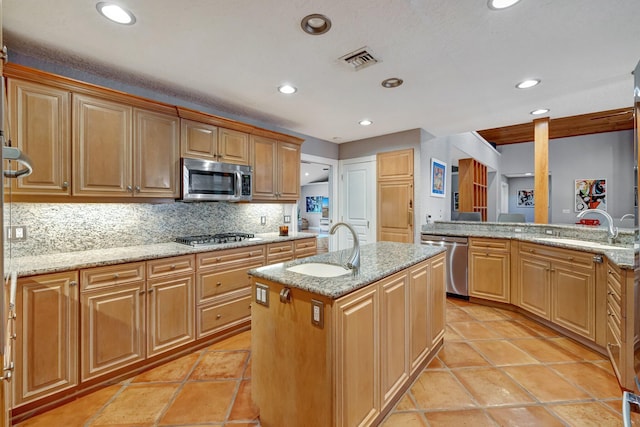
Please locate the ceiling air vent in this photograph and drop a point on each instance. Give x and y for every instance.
(359, 59)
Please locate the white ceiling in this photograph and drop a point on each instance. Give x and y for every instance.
(459, 59)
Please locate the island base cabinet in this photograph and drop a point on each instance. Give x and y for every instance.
(291, 360)
(349, 370)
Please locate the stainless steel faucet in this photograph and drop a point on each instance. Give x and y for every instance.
(613, 231)
(354, 259)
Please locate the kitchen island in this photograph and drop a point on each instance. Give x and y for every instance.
(340, 351)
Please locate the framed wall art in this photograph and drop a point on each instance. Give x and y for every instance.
(590, 194)
(525, 199)
(438, 178)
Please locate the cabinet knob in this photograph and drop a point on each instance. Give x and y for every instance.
(116, 276)
(129, 188)
(570, 258)
(610, 272)
(217, 259)
(172, 266)
(141, 292)
(73, 283)
(137, 188)
(150, 290)
(532, 251)
(65, 185)
(219, 316)
(219, 284)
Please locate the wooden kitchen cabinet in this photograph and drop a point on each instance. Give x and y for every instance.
(39, 117)
(472, 187)
(490, 269)
(357, 358)
(558, 285)
(394, 335)
(222, 287)
(210, 142)
(120, 151)
(46, 336)
(395, 211)
(112, 313)
(437, 299)
(395, 165)
(276, 169)
(279, 252)
(170, 304)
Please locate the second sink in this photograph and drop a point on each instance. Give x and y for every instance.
(319, 269)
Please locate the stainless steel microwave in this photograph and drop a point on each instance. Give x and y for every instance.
(206, 180)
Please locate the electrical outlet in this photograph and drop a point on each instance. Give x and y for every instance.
(263, 220)
(317, 313)
(287, 219)
(262, 294)
(549, 232)
(16, 232)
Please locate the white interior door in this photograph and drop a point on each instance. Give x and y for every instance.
(357, 207)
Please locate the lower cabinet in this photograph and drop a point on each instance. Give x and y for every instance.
(490, 269)
(305, 247)
(558, 285)
(46, 357)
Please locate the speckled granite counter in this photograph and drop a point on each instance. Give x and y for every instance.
(41, 264)
(377, 260)
(622, 255)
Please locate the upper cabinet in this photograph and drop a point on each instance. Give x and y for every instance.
(40, 125)
(276, 169)
(89, 142)
(120, 151)
(206, 141)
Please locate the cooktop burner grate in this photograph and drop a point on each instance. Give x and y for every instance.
(209, 239)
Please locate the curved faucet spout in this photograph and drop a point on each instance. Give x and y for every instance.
(613, 231)
(354, 258)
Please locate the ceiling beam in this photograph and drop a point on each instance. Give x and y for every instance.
(584, 124)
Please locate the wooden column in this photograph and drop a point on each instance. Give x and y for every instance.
(541, 167)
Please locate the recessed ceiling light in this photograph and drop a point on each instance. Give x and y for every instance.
(392, 82)
(116, 13)
(526, 84)
(315, 24)
(365, 122)
(539, 111)
(287, 89)
(501, 4)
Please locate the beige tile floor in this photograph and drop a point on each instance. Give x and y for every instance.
(497, 368)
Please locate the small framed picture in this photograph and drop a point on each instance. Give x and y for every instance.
(525, 199)
(438, 178)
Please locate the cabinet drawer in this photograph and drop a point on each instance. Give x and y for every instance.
(167, 266)
(229, 257)
(614, 278)
(100, 277)
(614, 323)
(215, 317)
(305, 244)
(575, 258)
(211, 284)
(613, 304)
(279, 252)
(494, 244)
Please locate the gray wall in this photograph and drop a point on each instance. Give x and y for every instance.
(604, 155)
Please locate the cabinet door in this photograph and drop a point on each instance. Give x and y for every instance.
(395, 211)
(170, 313)
(233, 147)
(155, 154)
(573, 299)
(46, 336)
(437, 298)
(419, 306)
(288, 171)
(101, 147)
(198, 140)
(41, 125)
(264, 155)
(357, 360)
(534, 286)
(489, 275)
(394, 331)
(395, 165)
(113, 334)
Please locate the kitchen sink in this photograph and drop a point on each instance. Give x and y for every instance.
(317, 269)
(581, 243)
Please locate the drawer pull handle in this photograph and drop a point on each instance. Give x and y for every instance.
(532, 251)
(173, 266)
(219, 316)
(219, 284)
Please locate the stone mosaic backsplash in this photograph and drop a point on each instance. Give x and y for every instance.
(69, 227)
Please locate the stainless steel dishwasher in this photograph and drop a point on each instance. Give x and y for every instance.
(456, 262)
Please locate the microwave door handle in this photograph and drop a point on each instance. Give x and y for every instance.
(238, 192)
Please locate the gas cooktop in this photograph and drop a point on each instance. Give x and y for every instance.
(212, 239)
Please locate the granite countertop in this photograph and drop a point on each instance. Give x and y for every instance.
(377, 260)
(53, 263)
(622, 254)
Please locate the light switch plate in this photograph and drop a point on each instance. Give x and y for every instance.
(262, 294)
(317, 313)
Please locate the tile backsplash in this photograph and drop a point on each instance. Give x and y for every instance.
(69, 227)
